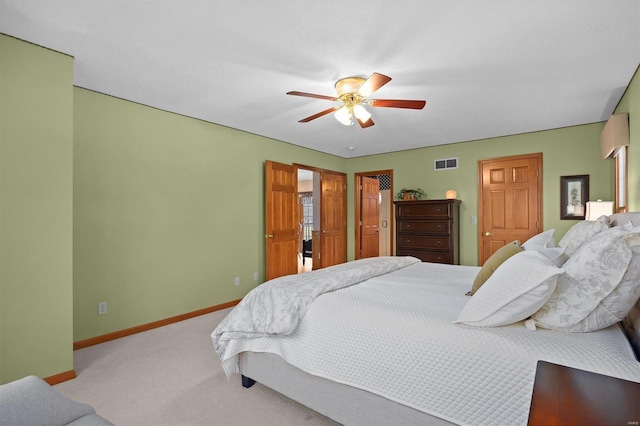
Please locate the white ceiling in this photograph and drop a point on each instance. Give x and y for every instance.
(486, 67)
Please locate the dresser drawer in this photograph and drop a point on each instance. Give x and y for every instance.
(423, 241)
(428, 210)
(427, 256)
(433, 227)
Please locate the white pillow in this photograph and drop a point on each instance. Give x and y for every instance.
(591, 274)
(555, 254)
(517, 289)
(617, 304)
(579, 234)
(544, 243)
(541, 241)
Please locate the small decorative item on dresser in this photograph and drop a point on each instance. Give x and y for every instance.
(410, 194)
(451, 194)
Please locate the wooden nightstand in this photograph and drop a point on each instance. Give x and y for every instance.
(566, 396)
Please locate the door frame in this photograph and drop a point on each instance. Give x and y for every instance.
(357, 209)
(539, 213)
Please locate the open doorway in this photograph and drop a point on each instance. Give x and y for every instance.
(282, 218)
(366, 226)
(307, 212)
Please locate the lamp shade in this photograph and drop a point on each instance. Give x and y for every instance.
(344, 116)
(361, 113)
(615, 134)
(595, 209)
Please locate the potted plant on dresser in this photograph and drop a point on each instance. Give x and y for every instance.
(410, 194)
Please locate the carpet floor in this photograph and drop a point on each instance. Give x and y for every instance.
(172, 376)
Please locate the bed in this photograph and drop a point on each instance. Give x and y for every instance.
(396, 341)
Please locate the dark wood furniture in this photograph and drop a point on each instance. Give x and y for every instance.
(307, 250)
(567, 396)
(428, 230)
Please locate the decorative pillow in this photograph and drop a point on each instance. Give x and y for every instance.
(555, 254)
(517, 289)
(617, 304)
(619, 219)
(591, 274)
(541, 241)
(579, 234)
(494, 261)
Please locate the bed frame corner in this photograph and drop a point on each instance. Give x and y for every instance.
(247, 382)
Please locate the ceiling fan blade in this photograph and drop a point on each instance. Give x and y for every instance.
(365, 124)
(320, 114)
(312, 95)
(373, 83)
(397, 103)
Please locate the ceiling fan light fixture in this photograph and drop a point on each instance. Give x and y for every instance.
(354, 93)
(349, 85)
(361, 113)
(344, 115)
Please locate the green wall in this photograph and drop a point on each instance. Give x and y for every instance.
(167, 211)
(630, 103)
(36, 125)
(566, 151)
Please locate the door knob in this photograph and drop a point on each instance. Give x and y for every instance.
(488, 234)
(325, 232)
(269, 236)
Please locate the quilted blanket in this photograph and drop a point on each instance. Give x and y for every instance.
(394, 336)
(276, 307)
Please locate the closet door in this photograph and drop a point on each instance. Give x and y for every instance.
(510, 201)
(281, 219)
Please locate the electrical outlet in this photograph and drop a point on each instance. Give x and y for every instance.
(255, 276)
(237, 282)
(102, 308)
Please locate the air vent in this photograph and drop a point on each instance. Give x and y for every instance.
(445, 164)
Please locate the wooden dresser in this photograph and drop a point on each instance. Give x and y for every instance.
(428, 230)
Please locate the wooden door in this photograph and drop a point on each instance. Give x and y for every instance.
(510, 204)
(333, 220)
(281, 219)
(369, 217)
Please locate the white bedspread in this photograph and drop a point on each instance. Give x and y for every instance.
(276, 307)
(393, 335)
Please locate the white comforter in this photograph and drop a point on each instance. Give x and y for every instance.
(393, 335)
(276, 307)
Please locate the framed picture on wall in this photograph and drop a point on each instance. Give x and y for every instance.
(574, 194)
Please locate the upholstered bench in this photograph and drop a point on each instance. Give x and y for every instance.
(31, 401)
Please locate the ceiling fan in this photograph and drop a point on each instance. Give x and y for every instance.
(354, 92)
